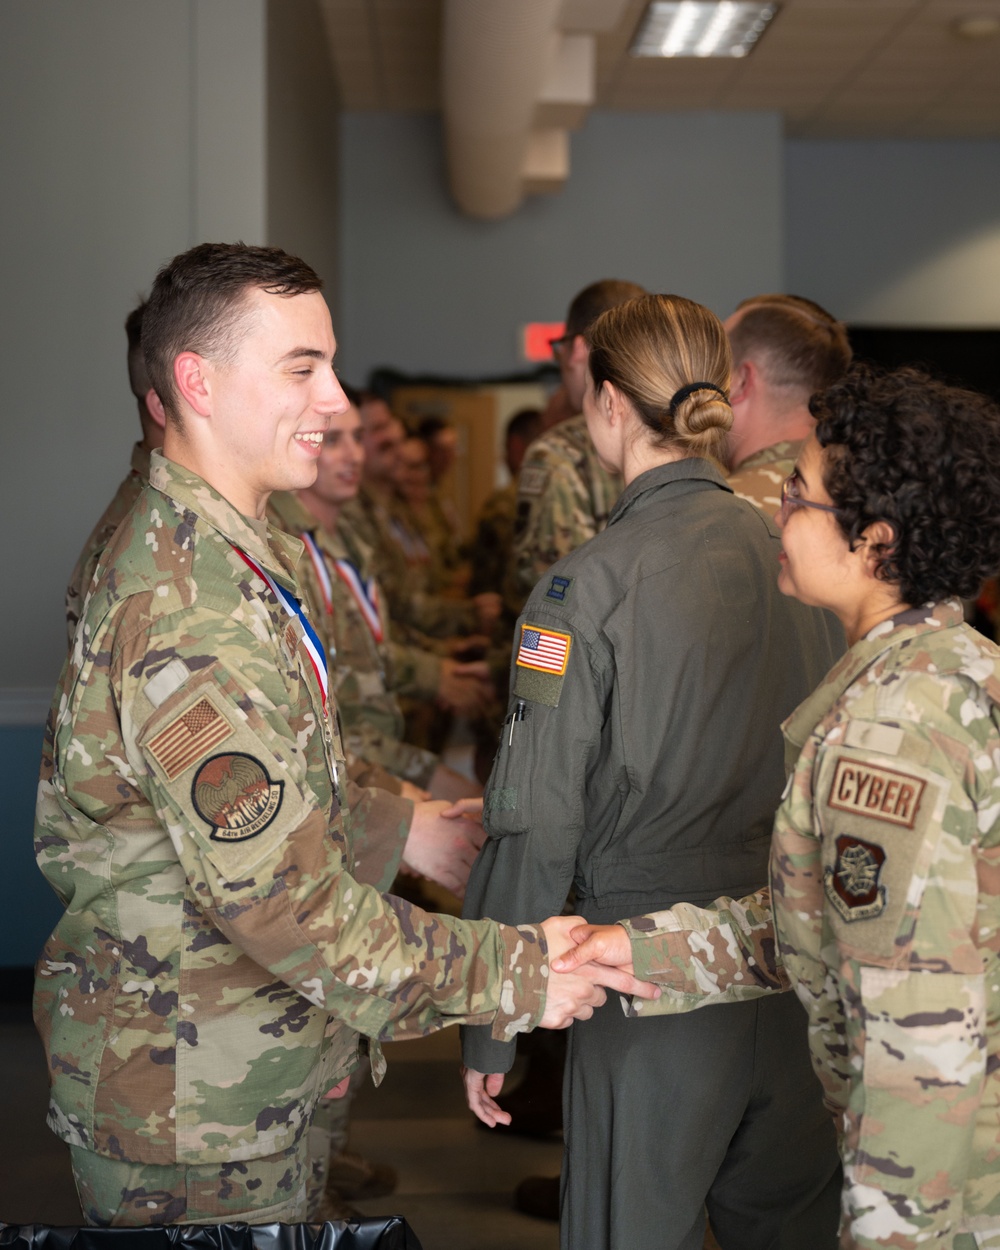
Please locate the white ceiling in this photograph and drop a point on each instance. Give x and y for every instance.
(833, 68)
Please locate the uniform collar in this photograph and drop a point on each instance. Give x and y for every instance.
(291, 515)
(910, 623)
(140, 461)
(273, 550)
(787, 450)
(693, 469)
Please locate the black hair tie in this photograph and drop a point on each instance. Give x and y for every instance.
(685, 391)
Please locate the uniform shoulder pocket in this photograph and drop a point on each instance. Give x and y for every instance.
(881, 818)
(221, 777)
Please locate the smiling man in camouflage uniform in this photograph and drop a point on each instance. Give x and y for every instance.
(219, 965)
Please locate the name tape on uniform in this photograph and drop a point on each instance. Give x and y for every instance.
(879, 793)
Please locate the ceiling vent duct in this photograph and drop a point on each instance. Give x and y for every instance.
(495, 61)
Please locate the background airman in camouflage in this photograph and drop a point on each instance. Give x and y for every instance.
(352, 618)
(412, 606)
(151, 418)
(218, 967)
(564, 494)
(785, 348)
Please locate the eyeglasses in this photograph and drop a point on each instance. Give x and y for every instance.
(791, 499)
(563, 339)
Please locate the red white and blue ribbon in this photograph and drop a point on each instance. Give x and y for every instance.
(365, 594)
(322, 572)
(310, 640)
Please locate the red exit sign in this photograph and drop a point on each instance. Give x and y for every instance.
(535, 338)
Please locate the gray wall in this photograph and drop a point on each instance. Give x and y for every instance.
(134, 129)
(302, 139)
(689, 203)
(897, 233)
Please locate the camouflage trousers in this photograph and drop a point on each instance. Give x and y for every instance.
(116, 1194)
(328, 1137)
(283, 1188)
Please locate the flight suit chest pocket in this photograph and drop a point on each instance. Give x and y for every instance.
(881, 822)
(507, 803)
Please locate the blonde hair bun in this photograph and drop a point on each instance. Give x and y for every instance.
(670, 357)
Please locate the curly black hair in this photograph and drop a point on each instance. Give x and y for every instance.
(925, 457)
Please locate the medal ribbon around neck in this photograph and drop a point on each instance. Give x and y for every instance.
(313, 646)
(322, 572)
(365, 595)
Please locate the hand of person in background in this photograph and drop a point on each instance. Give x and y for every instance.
(488, 606)
(442, 848)
(410, 791)
(445, 783)
(467, 647)
(465, 688)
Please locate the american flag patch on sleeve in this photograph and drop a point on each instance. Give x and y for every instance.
(543, 649)
(189, 738)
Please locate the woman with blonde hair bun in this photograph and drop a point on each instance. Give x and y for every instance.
(640, 765)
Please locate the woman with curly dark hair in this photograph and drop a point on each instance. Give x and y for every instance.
(885, 860)
(885, 867)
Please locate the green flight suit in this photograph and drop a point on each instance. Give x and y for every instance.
(641, 764)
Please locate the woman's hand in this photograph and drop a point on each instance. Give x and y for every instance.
(480, 1090)
(606, 944)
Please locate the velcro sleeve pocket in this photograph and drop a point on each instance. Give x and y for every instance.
(222, 778)
(882, 821)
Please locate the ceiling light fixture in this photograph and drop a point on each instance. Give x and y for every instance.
(690, 28)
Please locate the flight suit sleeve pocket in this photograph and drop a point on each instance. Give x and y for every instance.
(224, 782)
(881, 822)
(507, 800)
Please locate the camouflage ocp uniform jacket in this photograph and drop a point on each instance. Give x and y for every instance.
(113, 515)
(564, 498)
(885, 878)
(885, 875)
(351, 619)
(411, 604)
(218, 967)
(759, 477)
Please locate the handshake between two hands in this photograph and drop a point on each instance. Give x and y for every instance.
(583, 958)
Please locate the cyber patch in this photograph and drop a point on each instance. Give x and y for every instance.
(559, 588)
(852, 884)
(234, 794)
(878, 793)
(189, 738)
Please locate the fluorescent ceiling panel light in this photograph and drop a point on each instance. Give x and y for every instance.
(690, 28)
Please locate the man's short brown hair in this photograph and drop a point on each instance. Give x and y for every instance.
(198, 304)
(796, 342)
(138, 375)
(597, 298)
